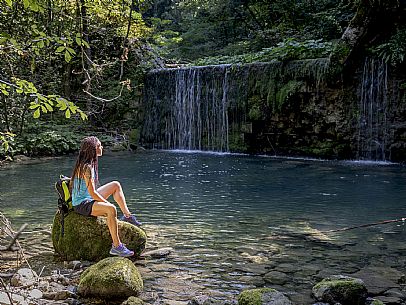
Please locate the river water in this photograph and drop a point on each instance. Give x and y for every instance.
(234, 221)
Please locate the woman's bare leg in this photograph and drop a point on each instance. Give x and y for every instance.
(108, 210)
(114, 188)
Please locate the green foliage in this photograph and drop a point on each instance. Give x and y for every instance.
(255, 105)
(59, 55)
(234, 27)
(289, 49)
(45, 104)
(284, 93)
(393, 51)
(6, 140)
(50, 142)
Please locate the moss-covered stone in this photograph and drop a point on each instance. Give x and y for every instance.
(340, 289)
(377, 302)
(112, 277)
(88, 238)
(262, 296)
(133, 301)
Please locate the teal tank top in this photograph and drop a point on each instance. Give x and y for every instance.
(80, 194)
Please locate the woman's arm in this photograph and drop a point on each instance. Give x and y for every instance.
(92, 188)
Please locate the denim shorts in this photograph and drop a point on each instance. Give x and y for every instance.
(85, 207)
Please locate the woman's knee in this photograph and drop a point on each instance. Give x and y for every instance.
(117, 185)
(111, 210)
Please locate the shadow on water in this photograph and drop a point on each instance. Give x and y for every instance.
(234, 221)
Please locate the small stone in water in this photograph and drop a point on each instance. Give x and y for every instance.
(158, 253)
(36, 294)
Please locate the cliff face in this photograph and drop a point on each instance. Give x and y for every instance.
(347, 106)
(294, 108)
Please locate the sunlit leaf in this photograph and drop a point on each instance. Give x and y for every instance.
(62, 105)
(49, 107)
(37, 113)
(71, 51)
(67, 113)
(83, 116)
(34, 106)
(68, 57)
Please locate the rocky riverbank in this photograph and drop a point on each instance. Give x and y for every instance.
(172, 275)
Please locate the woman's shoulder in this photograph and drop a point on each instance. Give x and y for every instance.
(86, 170)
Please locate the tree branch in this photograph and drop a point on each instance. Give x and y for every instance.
(105, 100)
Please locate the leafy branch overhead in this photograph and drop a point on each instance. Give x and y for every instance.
(42, 103)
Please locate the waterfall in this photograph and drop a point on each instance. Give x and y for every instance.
(373, 127)
(205, 108)
(194, 115)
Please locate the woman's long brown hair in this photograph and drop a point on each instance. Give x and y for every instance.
(87, 156)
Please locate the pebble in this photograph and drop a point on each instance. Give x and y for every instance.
(36, 294)
(158, 253)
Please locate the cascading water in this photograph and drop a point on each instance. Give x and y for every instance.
(189, 108)
(373, 126)
(206, 108)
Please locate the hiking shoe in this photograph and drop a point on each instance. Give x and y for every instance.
(121, 250)
(131, 219)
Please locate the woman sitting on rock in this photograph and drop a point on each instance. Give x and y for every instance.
(91, 201)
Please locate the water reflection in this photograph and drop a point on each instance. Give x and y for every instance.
(239, 221)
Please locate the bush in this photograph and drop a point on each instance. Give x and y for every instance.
(46, 143)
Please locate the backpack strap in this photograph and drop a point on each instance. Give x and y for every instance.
(66, 191)
(63, 211)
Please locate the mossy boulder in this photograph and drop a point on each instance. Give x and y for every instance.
(111, 278)
(262, 296)
(133, 301)
(341, 289)
(88, 238)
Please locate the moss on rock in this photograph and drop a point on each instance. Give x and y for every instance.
(88, 238)
(341, 289)
(112, 277)
(133, 301)
(262, 296)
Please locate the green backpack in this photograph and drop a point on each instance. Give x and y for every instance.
(65, 198)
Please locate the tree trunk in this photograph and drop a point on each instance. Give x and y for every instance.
(372, 19)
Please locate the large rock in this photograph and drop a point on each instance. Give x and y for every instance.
(262, 296)
(341, 289)
(111, 278)
(88, 238)
(380, 279)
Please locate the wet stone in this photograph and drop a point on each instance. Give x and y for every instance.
(256, 281)
(252, 268)
(164, 267)
(395, 293)
(286, 268)
(328, 272)
(378, 280)
(389, 300)
(158, 253)
(276, 277)
(308, 270)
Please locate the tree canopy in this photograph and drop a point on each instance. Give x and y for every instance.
(87, 58)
